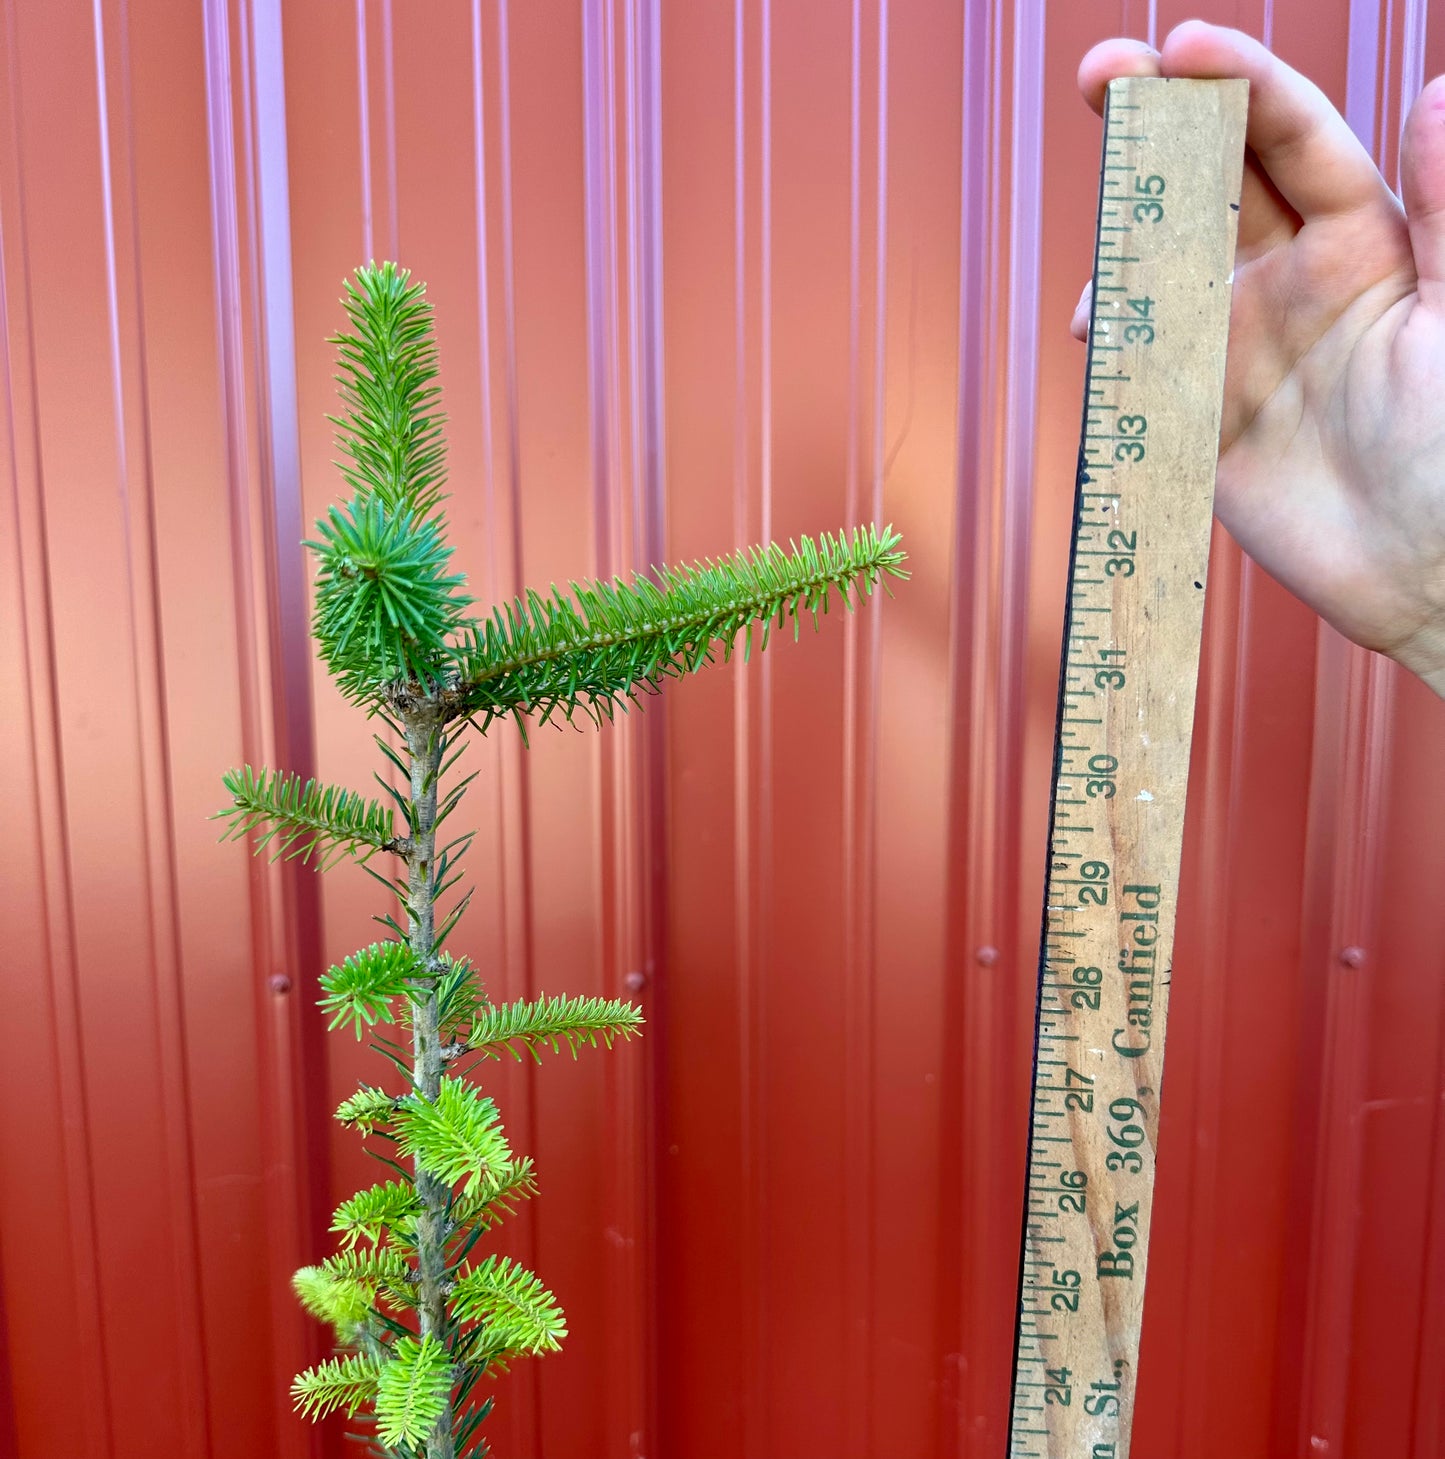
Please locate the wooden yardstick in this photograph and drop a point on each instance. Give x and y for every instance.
(1164, 260)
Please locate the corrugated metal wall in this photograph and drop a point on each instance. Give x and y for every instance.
(705, 272)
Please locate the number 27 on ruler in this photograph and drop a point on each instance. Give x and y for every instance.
(1168, 210)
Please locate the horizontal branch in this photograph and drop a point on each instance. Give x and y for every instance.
(606, 641)
(550, 1023)
(297, 818)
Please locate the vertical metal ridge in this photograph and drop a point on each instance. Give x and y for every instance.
(642, 206)
(765, 295)
(861, 670)
(509, 275)
(380, 235)
(268, 217)
(1427, 1418)
(491, 63)
(596, 227)
(608, 760)
(289, 1033)
(601, 259)
(630, 281)
(857, 1014)
(484, 312)
(1362, 75)
(616, 759)
(500, 516)
(630, 1413)
(1354, 706)
(1385, 142)
(502, 538)
(646, 201)
(1412, 64)
(501, 573)
(855, 311)
(648, 198)
(282, 918)
(763, 726)
(1214, 798)
(1020, 401)
(751, 722)
(519, 904)
(751, 1337)
(1346, 832)
(54, 858)
(967, 1116)
(225, 267)
(866, 705)
(158, 855)
(1011, 532)
(388, 72)
(1025, 230)
(363, 105)
(1002, 136)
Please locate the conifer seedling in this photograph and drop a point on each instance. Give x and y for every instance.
(422, 1315)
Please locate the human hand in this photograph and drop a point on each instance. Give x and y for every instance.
(1332, 450)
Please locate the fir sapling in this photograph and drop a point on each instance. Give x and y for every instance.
(422, 1317)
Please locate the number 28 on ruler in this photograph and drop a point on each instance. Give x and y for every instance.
(1169, 195)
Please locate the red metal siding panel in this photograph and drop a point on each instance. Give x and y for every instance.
(703, 273)
(141, 1041)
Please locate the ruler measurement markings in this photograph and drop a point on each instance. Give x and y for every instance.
(1169, 176)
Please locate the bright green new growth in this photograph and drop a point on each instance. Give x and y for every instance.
(361, 989)
(547, 654)
(419, 1322)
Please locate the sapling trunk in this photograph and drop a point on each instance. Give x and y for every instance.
(424, 744)
(420, 1322)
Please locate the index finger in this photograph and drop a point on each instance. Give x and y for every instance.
(1111, 59)
(1302, 143)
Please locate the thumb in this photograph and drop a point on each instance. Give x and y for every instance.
(1422, 184)
(1079, 324)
